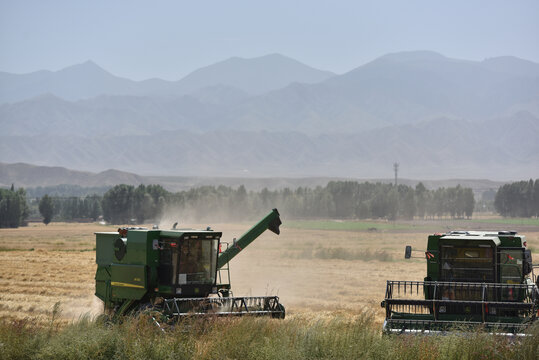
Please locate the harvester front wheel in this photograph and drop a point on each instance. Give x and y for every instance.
(281, 313)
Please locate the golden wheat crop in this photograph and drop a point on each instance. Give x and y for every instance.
(61, 268)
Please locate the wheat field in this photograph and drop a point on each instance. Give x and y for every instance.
(44, 265)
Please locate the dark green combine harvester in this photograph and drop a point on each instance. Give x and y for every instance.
(178, 272)
(473, 279)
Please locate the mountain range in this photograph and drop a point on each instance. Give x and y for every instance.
(273, 116)
(504, 148)
(25, 175)
(86, 80)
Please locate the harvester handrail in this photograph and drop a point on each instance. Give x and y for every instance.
(457, 283)
(483, 295)
(451, 301)
(419, 286)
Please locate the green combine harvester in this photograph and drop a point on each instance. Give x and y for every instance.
(474, 278)
(176, 273)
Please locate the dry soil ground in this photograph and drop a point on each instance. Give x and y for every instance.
(42, 265)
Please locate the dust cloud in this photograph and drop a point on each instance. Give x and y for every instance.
(75, 309)
(189, 219)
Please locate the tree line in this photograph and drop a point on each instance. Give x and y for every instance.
(518, 199)
(123, 204)
(337, 200)
(70, 208)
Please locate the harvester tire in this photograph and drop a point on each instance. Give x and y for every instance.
(279, 315)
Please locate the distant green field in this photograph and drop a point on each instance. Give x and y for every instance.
(350, 225)
(510, 221)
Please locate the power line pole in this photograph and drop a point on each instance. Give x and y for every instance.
(396, 168)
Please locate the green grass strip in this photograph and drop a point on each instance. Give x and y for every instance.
(349, 225)
(509, 221)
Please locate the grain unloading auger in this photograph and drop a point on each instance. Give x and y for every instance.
(473, 279)
(177, 273)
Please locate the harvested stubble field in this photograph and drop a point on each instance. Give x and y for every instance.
(310, 269)
(316, 273)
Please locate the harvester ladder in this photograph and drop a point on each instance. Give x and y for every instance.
(225, 269)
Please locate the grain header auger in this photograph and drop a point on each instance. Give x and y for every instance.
(176, 273)
(474, 278)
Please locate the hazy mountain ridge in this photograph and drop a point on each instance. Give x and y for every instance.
(436, 149)
(410, 87)
(395, 89)
(32, 176)
(438, 117)
(253, 76)
(50, 115)
(26, 175)
(71, 83)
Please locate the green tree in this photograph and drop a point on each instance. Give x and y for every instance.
(46, 209)
(469, 202)
(94, 206)
(139, 207)
(517, 199)
(421, 199)
(392, 203)
(345, 197)
(13, 207)
(407, 202)
(118, 204)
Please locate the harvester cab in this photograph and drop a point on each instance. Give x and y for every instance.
(473, 278)
(177, 272)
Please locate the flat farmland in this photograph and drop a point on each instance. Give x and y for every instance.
(310, 269)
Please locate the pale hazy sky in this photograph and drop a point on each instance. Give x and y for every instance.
(168, 39)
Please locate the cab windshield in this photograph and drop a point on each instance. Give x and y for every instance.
(197, 261)
(188, 261)
(464, 263)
